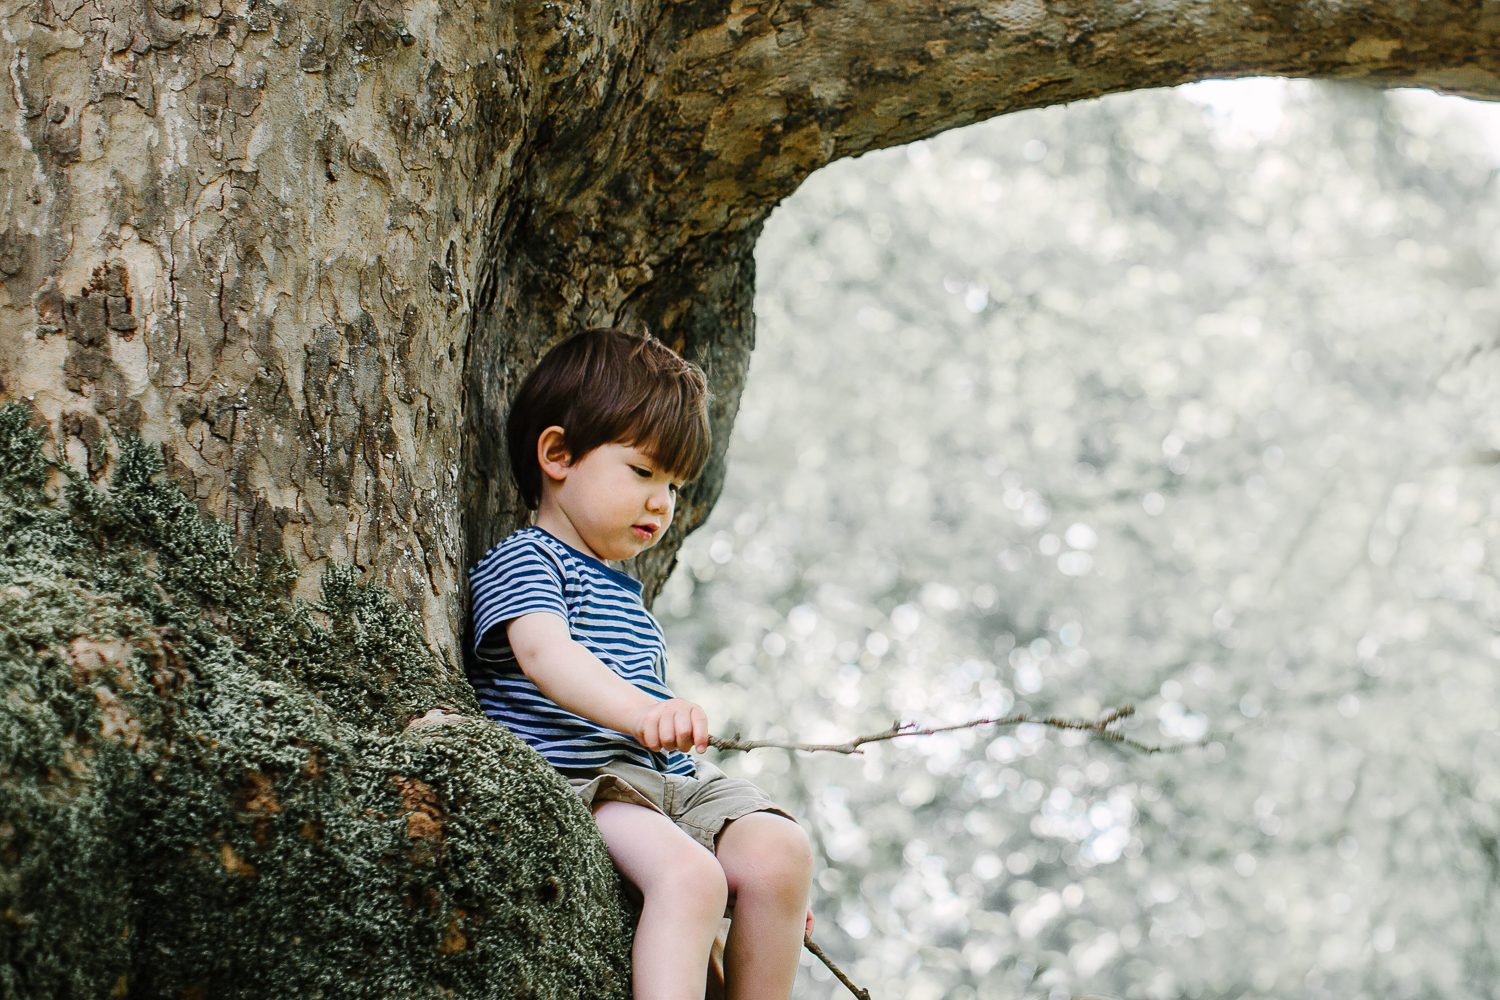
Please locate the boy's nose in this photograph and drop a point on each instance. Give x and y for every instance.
(660, 501)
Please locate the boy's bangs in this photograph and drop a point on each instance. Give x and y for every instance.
(673, 429)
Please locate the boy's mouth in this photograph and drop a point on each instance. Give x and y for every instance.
(644, 532)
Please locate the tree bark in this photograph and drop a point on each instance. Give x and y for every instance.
(308, 249)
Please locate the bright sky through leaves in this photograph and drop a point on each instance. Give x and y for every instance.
(1188, 399)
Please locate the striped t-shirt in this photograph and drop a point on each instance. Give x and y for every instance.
(530, 571)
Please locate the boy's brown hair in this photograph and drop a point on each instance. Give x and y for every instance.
(604, 386)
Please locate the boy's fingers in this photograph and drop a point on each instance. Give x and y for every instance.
(684, 728)
(651, 733)
(680, 726)
(700, 729)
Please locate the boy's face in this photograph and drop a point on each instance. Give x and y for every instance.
(615, 500)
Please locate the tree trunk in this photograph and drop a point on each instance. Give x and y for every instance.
(307, 250)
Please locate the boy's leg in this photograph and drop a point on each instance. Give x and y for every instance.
(768, 864)
(684, 891)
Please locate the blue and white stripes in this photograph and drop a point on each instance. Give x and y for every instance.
(528, 572)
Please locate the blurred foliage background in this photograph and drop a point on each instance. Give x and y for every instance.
(1185, 399)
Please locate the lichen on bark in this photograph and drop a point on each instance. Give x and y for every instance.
(211, 789)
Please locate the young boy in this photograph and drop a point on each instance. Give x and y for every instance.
(602, 434)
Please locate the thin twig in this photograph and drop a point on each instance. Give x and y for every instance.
(1099, 727)
(807, 942)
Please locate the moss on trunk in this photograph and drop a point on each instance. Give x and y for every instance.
(209, 789)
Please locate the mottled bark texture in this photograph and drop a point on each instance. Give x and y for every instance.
(306, 249)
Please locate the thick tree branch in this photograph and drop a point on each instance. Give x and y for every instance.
(769, 92)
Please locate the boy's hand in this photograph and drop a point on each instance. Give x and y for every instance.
(673, 724)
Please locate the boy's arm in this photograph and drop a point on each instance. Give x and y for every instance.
(575, 679)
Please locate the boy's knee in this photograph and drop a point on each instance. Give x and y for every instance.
(794, 852)
(778, 856)
(697, 877)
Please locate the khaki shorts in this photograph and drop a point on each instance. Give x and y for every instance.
(701, 806)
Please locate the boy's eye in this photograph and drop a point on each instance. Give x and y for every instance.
(643, 473)
(674, 487)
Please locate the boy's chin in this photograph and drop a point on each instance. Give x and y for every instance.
(626, 550)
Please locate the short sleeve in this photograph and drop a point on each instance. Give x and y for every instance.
(518, 577)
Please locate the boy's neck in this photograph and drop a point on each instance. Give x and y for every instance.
(554, 521)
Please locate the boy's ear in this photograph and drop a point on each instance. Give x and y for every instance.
(552, 453)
